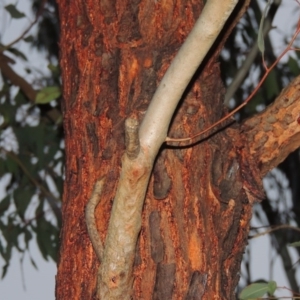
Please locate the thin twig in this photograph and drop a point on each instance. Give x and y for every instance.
(248, 62)
(155, 125)
(268, 70)
(286, 288)
(274, 229)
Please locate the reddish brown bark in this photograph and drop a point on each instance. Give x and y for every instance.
(198, 206)
(275, 132)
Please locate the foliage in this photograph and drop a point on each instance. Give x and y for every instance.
(282, 202)
(31, 145)
(257, 290)
(47, 94)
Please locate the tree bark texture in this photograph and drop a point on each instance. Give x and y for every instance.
(197, 210)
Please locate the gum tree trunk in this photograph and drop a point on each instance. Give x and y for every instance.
(198, 206)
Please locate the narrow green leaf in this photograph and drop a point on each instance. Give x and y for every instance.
(4, 270)
(27, 237)
(47, 94)
(1, 249)
(42, 239)
(296, 52)
(11, 166)
(254, 291)
(293, 65)
(22, 199)
(20, 99)
(295, 244)
(17, 53)
(271, 85)
(272, 285)
(33, 263)
(14, 12)
(2, 167)
(28, 39)
(8, 112)
(260, 37)
(11, 234)
(53, 68)
(4, 204)
(54, 243)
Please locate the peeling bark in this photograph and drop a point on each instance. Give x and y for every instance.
(275, 133)
(192, 240)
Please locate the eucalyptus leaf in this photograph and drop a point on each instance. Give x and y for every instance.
(4, 204)
(254, 291)
(293, 65)
(272, 287)
(29, 39)
(11, 233)
(14, 12)
(17, 53)
(47, 239)
(33, 263)
(35, 131)
(8, 112)
(4, 270)
(11, 166)
(47, 94)
(271, 85)
(27, 237)
(22, 199)
(295, 244)
(260, 37)
(54, 68)
(20, 98)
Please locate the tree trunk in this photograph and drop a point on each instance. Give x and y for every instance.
(197, 210)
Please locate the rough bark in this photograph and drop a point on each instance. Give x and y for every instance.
(275, 133)
(196, 215)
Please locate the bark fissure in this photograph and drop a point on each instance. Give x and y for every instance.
(115, 278)
(195, 234)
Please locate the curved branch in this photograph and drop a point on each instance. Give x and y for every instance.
(278, 227)
(154, 127)
(115, 277)
(90, 218)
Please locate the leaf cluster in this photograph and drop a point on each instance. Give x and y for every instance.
(31, 152)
